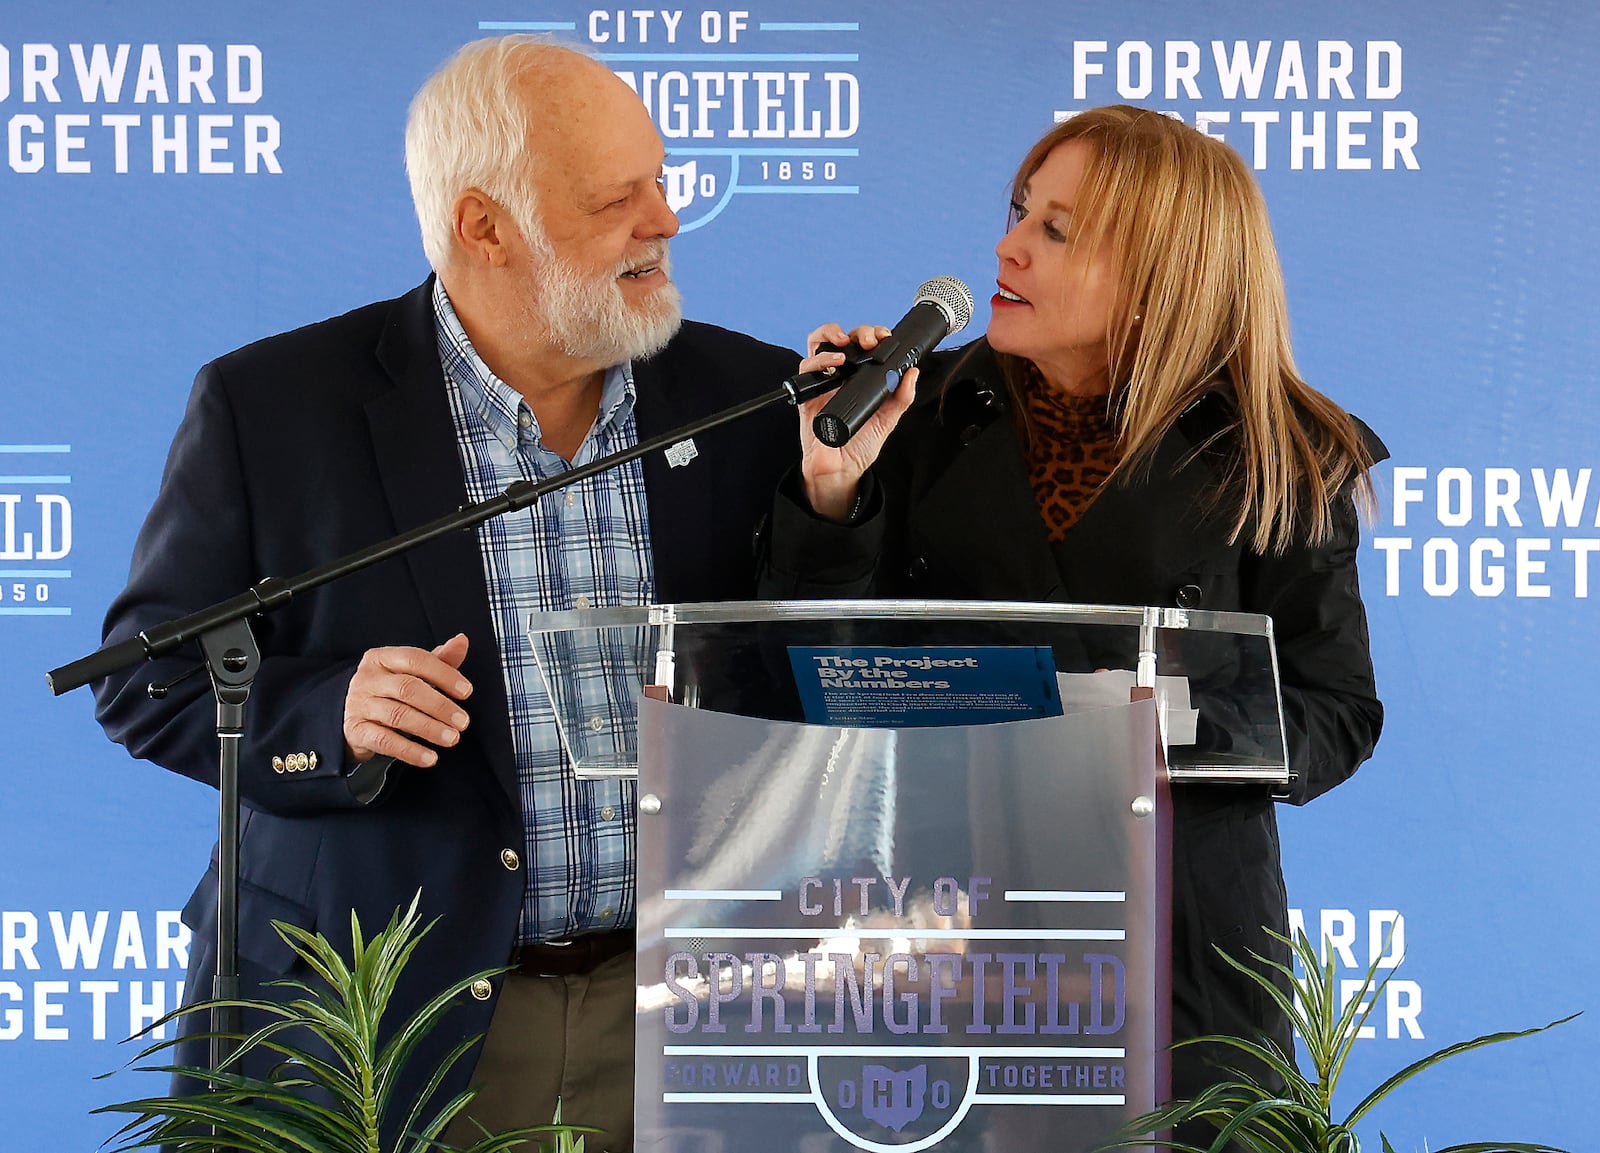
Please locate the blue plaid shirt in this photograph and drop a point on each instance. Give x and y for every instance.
(587, 546)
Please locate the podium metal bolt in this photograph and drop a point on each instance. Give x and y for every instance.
(649, 804)
(1143, 806)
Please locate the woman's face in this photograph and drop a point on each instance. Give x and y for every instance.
(1057, 287)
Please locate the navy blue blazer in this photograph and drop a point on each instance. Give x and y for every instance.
(308, 445)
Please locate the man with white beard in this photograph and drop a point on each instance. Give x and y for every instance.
(400, 736)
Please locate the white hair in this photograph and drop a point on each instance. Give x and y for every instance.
(468, 128)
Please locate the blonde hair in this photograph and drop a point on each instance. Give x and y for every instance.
(468, 128)
(1201, 297)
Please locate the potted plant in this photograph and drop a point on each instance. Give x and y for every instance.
(334, 1080)
(1275, 1108)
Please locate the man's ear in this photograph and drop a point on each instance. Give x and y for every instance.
(479, 222)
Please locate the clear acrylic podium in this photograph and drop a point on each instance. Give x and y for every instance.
(903, 866)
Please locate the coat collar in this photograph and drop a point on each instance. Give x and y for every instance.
(1002, 543)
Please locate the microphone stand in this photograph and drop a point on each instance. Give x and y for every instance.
(232, 657)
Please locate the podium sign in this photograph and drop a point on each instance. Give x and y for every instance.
(888, 939)
(898, 936)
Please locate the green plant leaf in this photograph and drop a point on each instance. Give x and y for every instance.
(398, 1050)
(1499, 1147)
(325, 1037)
(1269, 1119)
(1296, 1115)
(442, 1118)
(1266, 1053)
(1433, 1059)
(1138, 1133)
(188, 1123)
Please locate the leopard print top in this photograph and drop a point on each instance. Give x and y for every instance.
(1072, 452)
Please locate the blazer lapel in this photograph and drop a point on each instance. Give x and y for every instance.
(678, 497)
(420, 467)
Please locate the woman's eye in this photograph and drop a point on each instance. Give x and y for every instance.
(1018, 211)
(1055, 231)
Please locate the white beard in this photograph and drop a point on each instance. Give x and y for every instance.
(589, 318)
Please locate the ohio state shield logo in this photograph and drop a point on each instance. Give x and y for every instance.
(893, 1099)
(887, 1100)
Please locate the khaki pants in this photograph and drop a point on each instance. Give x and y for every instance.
(566, 1037)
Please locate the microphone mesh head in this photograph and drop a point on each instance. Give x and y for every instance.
(950, 296)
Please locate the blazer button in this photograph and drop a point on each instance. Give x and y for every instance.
(969, 434)
(509, 858)
(278, 765)
(1190, 597)
(918, 568)
(481, 989)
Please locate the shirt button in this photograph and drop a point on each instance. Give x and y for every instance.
(481, 989)
(509, 858)
(596, 724)
(607, 914)
(608, 812)
(525, 420)
(581, 601)
(570, 499)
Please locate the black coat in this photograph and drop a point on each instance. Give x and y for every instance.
(303, 447)
(953, 515)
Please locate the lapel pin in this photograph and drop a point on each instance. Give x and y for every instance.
(681, 453)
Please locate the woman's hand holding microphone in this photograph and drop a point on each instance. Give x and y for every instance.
(832, 476)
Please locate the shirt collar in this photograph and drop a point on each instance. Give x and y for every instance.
(502, 408)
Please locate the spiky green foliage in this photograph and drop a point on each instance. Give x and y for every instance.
(1274, 1107)
(567, 1141)
(332, 1081)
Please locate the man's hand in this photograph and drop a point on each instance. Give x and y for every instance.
(403, 696)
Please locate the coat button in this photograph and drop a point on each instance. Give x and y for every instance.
(1190, 597)
(278, 765)
(509, 858)
(918, 568)
(969, 434)
(481, 989)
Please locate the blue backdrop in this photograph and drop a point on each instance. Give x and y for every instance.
(180, 178)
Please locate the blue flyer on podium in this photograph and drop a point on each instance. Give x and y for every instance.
(916, 687)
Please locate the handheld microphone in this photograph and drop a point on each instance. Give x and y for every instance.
(943, 305)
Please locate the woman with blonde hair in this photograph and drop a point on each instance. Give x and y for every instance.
(1131, 430)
